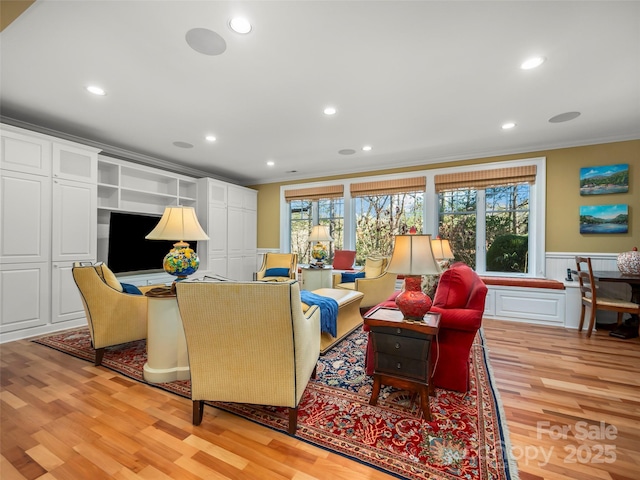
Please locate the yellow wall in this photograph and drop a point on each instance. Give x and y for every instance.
(563, 197)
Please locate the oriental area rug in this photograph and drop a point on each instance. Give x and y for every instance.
(465, 439)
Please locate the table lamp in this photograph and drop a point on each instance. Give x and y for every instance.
(179, 223)
(442, 251)
(412, 257)
(320, 233)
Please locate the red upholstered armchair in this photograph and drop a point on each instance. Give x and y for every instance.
(459, 299)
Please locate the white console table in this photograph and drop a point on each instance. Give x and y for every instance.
(315, 278)
(167, 358)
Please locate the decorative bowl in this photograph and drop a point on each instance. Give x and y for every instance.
(629, 262)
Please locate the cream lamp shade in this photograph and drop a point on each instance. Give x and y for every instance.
(179, 223)
(320, 233)
(441, 249)
(412, 257)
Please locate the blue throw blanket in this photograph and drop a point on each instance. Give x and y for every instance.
(328, 311)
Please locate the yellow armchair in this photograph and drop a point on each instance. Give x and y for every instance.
(249, 342)
(278, 267)
(377, 284)
(114, 317)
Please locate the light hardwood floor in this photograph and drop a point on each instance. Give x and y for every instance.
(62, 418)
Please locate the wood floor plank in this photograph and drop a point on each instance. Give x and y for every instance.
(63, 418)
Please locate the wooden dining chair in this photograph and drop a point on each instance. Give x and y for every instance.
(590, 298)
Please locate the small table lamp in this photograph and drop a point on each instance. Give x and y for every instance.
(179, 223)
(412, 257)
(320, 233)
(442, 251)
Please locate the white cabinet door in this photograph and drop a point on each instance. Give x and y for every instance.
(24, 296)
(66, 303)
(75, 221)
(218, 266)
(248, 267)
(235, 267)
(249, 232)
(25, 228)
(235, 232)
(217, 229)
(24, 153)
(73, 163)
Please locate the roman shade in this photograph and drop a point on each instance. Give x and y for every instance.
(389, 187)
(314, 193)
(485, 178)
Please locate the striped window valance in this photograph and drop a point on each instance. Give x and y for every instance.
(388, 187)
(314, 193)
(485, 178)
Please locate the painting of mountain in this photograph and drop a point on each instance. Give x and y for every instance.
(604, 219)
(604, 179)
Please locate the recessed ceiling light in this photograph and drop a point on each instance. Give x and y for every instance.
(330, 111)
(96, 90)
(271, 163)
(182, 144)
(366, 148)
(532, 62)
(240, 25)
(210, 138)
(508, 125)
(346, 151)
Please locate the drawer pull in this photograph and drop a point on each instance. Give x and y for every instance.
(398, 331)
(397, 346)
(399, 366)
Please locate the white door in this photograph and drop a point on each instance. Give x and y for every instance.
(24, 296)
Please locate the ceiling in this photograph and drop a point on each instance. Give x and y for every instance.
(421, 82)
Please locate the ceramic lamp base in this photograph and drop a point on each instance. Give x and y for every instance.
(181, 261)
(413, 302)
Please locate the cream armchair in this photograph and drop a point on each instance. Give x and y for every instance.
(376, 285)
(278, 267)
(249, 342)
(114, 317)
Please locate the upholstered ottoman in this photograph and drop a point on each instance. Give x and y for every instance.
(349, 317)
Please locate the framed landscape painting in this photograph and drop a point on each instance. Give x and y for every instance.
(604, 179)
(604, 219)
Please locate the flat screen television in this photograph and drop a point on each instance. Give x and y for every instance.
(129, 251)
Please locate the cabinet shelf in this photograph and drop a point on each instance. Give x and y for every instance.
(140, 189)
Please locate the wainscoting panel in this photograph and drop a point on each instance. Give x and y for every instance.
(533, 305)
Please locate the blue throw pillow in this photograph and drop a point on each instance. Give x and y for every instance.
(351, 277)
(277, 272)
(132, 289)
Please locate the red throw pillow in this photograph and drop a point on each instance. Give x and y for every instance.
(344, 259)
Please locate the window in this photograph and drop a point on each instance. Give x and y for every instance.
(315, 206)
(485, 216)
(380, 217)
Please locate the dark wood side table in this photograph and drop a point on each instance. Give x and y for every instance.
(401, 352)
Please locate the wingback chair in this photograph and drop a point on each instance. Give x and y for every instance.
(459, 299)
(278, 267)
(373, 281)
(249, 342)
(114, 316)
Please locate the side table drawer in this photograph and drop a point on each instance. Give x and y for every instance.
(402, 367)
(401, 346)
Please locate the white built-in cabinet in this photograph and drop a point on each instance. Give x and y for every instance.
(48, 220)
(229, 215)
